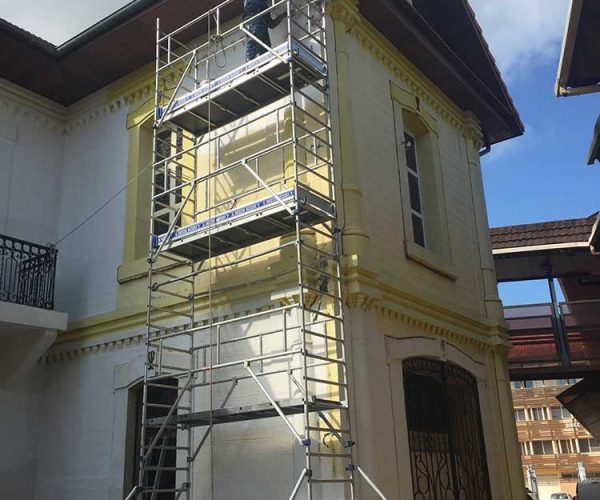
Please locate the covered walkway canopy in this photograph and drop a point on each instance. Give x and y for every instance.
(556, 339)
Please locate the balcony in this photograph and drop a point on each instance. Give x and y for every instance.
(28, 322)
(550, 341)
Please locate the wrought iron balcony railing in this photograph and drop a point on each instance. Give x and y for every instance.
(27, 273)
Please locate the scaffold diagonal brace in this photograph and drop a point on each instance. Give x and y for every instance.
(275, 405)
(179, 84)
(298, 484)
(267, 187)
(163, 427)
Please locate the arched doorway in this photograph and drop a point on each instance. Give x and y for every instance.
(447, 449)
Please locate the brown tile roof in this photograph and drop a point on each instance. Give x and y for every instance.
(544, 233)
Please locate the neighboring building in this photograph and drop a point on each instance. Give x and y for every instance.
(579, 68)
(415, 98)
(551, 439)
(554, 345)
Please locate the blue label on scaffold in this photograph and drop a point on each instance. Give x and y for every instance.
(224, 217)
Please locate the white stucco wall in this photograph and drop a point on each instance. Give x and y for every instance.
(20, 412)
(81, 448)
(95, 168)
(31, 161)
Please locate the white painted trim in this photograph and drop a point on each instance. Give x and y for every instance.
(593, 235)
(537, 248)
(36, 102)
(34, 317)
(568, 45)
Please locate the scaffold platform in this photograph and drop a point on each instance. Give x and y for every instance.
(249, 412)
(249, 224)
(243, 90)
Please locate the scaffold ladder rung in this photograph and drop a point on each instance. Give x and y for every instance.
(244, 266)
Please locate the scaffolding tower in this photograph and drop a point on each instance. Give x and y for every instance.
(244, 212)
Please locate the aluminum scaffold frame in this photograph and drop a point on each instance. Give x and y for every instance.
(244, 211)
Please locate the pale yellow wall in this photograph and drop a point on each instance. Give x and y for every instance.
(440, 306)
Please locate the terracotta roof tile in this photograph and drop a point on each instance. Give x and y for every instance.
(543, 233)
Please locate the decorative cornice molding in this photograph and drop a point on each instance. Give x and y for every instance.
(490, 339)
(93, 115)
(346, 12)
(26, 104)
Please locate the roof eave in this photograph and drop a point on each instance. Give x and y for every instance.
(104, 26)
(574, 28)
(594, 152)
(568, 47)
(412, 25)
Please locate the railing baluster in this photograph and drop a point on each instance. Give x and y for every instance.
(27, 273)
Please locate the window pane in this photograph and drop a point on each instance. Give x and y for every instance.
(556, 412)
(415, 195)
(565, 446)
(538, 414)
(594, 445)
(520, 414)
(411, 152)
(537, 447)
(584, 445)
(548, 449)
(418, 230)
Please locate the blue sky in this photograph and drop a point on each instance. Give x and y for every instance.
(540, 176)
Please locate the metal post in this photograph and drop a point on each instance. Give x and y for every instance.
(581, 475)
(561, 338)
(179, 357)
(533, 485)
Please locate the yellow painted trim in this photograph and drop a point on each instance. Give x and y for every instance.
(364, 290)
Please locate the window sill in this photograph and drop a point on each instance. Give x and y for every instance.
(430, 260)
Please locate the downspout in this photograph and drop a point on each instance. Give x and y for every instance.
(487, 147)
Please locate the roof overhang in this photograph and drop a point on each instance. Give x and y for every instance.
(445, 43)
(579, 67)
(583, 401)
(594, 153)
(109, 50)
(567, 250)
(456, 59)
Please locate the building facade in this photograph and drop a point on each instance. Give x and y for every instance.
(425, 327)
(551, 439)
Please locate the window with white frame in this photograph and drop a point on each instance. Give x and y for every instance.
(426, 236)
(538, 413)
(542, 447)
(559, 413)
(567, 446)
(520, 415)
(589, 445)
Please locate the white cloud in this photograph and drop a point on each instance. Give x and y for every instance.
(512, 148)
(57, 20)
(522, 33)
